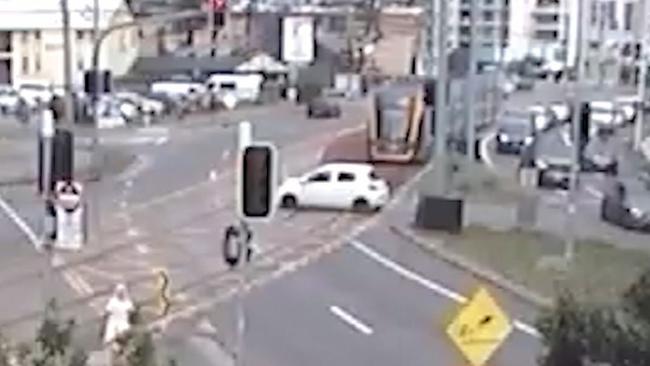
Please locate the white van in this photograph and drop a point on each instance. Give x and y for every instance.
(178, 88)
(605, 114)
(245, 87)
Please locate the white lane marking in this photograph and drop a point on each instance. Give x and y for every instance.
(72, 278)
(142, 249)
(566, 137)
(142, 163)
(384, 261)
(213, 175)
(594, 192)
(225, 155)
(161, 140)
(132, 232)
(424, 282)
(22, 225)
(351, 320)
(485, 150)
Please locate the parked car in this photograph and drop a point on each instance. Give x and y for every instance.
(145, 105)
(336, 185)
(514, 133)
(604, 114)
(323, 108)
(628, 107)
(561, 111)
(9, 99)
(615, 210)
(35, 93)
(542, 117)
(554, 173)
(598, 157)
(524, 82)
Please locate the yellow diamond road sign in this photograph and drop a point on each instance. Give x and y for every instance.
(479, 328)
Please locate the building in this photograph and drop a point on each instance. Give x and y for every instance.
(492, 26)
(549, 28)
(31, 40)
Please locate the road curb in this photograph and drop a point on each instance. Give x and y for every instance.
(473, 267)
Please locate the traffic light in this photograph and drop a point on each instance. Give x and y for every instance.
(257, 181)
(90, 82)
(585, 125)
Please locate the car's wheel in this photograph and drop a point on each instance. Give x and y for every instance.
(289, 201)
(361, 205)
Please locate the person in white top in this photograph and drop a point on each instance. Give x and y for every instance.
(117, 314)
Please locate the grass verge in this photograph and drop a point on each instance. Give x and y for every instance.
(599, 272)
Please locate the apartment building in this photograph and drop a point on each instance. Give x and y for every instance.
(31, 40)
(549, 28)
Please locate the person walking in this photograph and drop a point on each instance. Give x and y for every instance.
(117, 315)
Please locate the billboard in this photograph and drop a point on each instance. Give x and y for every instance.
(298, 42)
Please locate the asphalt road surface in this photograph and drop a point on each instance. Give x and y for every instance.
(377, 300)
(166, 210)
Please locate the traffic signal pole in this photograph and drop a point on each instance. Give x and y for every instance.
(569, 250)
(440, 168)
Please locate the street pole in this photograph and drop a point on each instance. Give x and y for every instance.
(47, 134)
(440, 169)
(245, 139)
(641, 82)
(470, 92)
(575, 161)
(211, 27)
(67, 66)
(498, 52)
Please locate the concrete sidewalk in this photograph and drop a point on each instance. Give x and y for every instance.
(19, 157)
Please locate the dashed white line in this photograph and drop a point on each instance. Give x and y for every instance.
(566, 137)
(142, 249)
(350, 320)
(426, 283)
(161, 140)
(594, 192)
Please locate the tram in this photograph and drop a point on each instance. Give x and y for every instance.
(396, 125)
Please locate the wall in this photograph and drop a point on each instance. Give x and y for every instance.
(38, 54)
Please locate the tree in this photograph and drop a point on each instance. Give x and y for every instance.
(563, 331)
(576, 334)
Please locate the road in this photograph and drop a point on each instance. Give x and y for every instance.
(552, 209)
(376, 300)
(165, 211)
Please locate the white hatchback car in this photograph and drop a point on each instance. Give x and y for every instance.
(336, 185)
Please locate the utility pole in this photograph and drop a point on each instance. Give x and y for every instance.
(440, 169)
(67, 66)
(211, 27)
(577, 106)
(470, 91)
(643, 74)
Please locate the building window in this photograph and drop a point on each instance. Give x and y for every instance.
(25, 65)
(488, 16)
(628, 15)
(37, 62)
(611, 15)
(24, 37)
(80, 35)
(80, 63)
(37, 35)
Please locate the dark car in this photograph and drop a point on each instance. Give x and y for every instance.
(323, 108)
(554, 173)
(514, 134)
(615, 210)
(598, 157)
